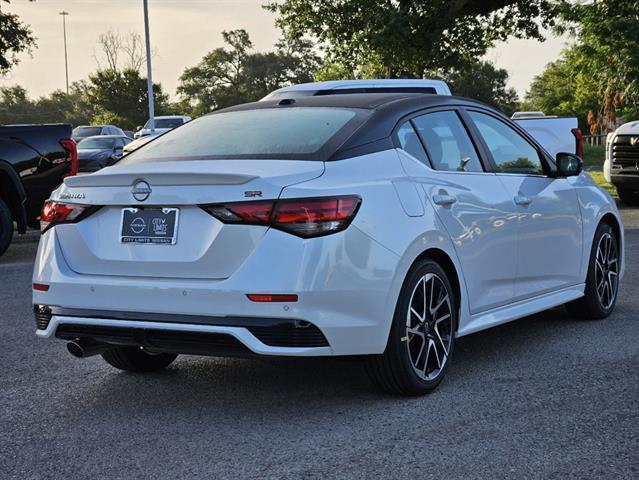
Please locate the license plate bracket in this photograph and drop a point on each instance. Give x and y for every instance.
(149, 225)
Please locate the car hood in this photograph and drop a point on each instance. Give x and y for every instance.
(630, 128)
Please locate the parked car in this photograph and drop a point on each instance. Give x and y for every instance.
(33, 161)
(621, 167)
(100, 151)
(378, 225)
(162, 125)
(553, 133)
(84, 131)
(137, 143)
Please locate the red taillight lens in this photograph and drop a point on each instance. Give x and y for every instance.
(54, 213)
(71, 147)
(271, 297)
(304, 217)
(579, 141)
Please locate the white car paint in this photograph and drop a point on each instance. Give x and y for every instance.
(158, 130)
(552, 133)
(629, 129)
(511, 260)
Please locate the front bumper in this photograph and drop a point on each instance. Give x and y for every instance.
(625, 179)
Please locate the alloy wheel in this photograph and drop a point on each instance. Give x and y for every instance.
(607, 270)
(429, 327)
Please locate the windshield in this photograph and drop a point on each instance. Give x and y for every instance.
(97, 143)
(294, 132)
(86, 131)
(165, 123)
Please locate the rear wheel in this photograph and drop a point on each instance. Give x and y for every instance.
(602, 281)
(422, 335)
(629, 196)
(134, 359)
(6, 227)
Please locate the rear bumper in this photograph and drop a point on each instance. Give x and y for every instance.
(350, 302)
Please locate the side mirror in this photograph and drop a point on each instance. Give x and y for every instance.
(568, 164)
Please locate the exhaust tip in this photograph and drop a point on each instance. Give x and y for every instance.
(75, 349)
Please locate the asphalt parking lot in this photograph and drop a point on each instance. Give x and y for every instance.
(548, 396)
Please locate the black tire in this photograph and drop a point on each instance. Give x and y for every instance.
(6, 227)
(134, 359)
(398, 370)
(592, 306)
(629, 196)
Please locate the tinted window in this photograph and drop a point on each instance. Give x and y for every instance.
(410, 143)
(512, 152)
(86, 131)
(165, 123)
(96, 143)
(447, 142)
(295, 132)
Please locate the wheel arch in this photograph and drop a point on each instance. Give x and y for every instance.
(617, 229)
(13, 194)
(446, 262)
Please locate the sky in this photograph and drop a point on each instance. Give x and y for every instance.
(182, 32)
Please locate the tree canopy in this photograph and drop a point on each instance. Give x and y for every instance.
(15, 38)
(407, 37)
(235, 74)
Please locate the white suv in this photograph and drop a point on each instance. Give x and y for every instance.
(380, 225)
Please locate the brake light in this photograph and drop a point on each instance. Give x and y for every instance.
(272, 297)
(71, 147)
(579, 141)
(54, 213)
(304, 217)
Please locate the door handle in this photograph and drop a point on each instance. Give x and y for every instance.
(444, 199)
(523, 200)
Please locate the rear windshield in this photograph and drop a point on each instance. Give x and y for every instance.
(86, 131)
(96, 143)
(302, 133)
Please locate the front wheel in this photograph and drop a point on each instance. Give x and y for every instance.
(422, 336)
(6, 227)
(134, 359)
(602, 280)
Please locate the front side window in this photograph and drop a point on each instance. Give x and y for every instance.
(282, 133)
(511, 152)
(447, 142)
(96, 143)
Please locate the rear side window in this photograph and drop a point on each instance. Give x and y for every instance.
(410, 142)
(447, 142)
(286, 133)
(511, 152)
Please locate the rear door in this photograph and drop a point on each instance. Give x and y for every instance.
(549, 238)
(471, 202)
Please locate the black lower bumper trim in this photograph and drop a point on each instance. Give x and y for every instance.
(274, 332)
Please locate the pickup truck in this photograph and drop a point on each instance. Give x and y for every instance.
(34, 159)
(555, 134)
(621, 167)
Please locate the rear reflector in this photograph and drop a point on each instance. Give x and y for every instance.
(579, 142)
(304, 217)
(54, 213)
(271, 297)
(41, 287)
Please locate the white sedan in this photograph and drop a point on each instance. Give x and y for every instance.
(378, 225)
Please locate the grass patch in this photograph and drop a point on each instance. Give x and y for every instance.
(599, 178)
(594, 155)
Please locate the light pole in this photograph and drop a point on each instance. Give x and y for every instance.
(64, 32)
(149, 78)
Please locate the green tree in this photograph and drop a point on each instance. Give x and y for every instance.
(481, 81)
(120, 98)
(234, 74)
(15, 38)
(407, 37)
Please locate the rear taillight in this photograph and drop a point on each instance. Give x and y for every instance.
(304, 217)
(579, 142)
(71, 147)
(54, 213)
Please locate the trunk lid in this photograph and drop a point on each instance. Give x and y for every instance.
(205, 248)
